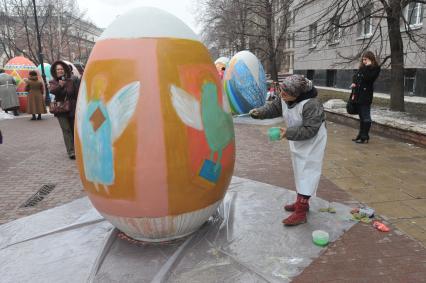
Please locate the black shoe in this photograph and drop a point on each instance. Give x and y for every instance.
(39, 117)
(361, 140)
(357, 138)
(33, 118)
(72, 156)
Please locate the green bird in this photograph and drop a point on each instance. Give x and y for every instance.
(211, 117)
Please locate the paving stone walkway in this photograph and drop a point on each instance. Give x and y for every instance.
(385, 174)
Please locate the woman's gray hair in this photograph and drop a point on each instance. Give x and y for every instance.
(295, 85)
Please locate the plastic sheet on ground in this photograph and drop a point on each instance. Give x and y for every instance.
(243, 242)
(246, 119)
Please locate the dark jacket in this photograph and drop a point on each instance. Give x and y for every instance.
(69, 91)
(364, 80)
(313, 115)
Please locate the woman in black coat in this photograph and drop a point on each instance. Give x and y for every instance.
(362, 85)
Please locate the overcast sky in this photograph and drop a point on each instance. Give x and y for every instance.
(103, 12)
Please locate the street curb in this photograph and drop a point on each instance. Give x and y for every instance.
(404, 135)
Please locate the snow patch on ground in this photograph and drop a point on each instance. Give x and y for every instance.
(334, 104)
(412, 99)
(383, 116)
(5, 116)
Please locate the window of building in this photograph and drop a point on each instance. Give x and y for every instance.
(365, 25)
(334, 34)
(310, 74)
(413, 14)
(313, 35)
(290, 40)
(331, 78)
(409, 81)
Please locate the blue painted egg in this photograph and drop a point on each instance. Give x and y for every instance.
(245, 82)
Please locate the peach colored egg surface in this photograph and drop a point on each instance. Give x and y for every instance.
(154, 134)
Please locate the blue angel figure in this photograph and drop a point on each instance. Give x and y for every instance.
(99, 124)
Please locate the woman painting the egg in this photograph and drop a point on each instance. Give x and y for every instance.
(307, 137)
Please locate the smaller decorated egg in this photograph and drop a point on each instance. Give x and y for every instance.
(245, 82)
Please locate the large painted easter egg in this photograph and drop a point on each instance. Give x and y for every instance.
(154, 135)
(19, 67)
(245, 82)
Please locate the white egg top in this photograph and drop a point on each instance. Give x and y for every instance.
(148, 22)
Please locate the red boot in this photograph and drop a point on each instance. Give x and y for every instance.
(292, 207)
(299, 214)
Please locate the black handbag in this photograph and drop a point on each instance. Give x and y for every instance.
(351, 106)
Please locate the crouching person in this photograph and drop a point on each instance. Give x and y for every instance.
(306, 133)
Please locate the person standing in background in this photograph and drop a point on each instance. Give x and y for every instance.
(35, 90)
(64, 86)
(362, 87)
(8, 97)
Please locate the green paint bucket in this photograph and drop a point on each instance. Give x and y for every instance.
(274, 134)
(320, 238)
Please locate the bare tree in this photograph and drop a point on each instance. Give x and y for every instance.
(271, 20)
(59, 22)
(225, 24)
(259, 25)
(380, 23)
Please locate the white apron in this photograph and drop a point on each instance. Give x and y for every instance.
(306, 155)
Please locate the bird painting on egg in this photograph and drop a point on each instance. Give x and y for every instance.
(99, 124)
(215, 121)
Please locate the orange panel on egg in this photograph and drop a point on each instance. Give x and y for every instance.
(103, 79)
(189, 66)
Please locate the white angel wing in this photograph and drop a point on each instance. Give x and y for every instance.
(81, 107)
(187, 107)
(122, 107)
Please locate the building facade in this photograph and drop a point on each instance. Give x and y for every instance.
(82, 38)
(62, 37)
(323, 55)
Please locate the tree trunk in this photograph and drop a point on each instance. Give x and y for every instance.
(270, 39)
(273, 67)
(397, 58)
